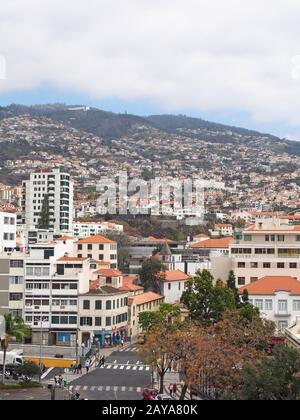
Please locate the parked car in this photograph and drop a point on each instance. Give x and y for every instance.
(150, 394)
(164, 397)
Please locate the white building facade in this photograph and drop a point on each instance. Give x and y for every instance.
(58, 187)
(8, 231)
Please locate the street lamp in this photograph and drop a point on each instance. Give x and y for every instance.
(41, 345)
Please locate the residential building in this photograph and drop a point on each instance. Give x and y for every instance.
(224, 229)
(213, 246)
(99, 248)
(58, 188)
(103, 310)
(8, 231)
(172, 284)
(139, 303)
(12, 283)
(86, 229)
(277, 298)
(268, 248)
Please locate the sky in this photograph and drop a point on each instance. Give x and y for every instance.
(235, 62)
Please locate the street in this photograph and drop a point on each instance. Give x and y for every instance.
(123, 377)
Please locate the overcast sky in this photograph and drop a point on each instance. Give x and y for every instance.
(227, 60)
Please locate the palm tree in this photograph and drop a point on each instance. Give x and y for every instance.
(14, 328)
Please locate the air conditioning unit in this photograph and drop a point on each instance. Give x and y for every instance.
(37, 308)
(62, 307)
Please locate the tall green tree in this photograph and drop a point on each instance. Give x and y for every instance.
(165, 315)
(44, 219)
(14, 328)
(205, 301)
(274, 378)
(231, 284)
(151, 273)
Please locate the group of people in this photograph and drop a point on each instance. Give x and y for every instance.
(77, 367)
(59, 381)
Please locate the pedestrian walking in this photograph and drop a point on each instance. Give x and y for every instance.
(175, 389)
(56, 380)
(60, 381)
(122, 342)
(103, 361)
(87, 366)
(79, 369)
(171, 390)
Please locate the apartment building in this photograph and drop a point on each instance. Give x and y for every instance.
(58, 188)
(53, 281)
(12, 283)
(86, 229)
(268, 248)
(139, 303)
(277, 298)
(8, 231)
(99, 248)
(103, 310)
(224, 229)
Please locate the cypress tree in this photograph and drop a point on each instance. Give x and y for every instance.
(44, 215)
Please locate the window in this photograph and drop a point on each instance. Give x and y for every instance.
(293, 265)
(79, 247)
(108, 321)
(16, 280)
(266, 265)
(296, 305)
(86, 321)
(280, 238)
(298, 238)
(253, 279)
(283, 306)
(86, 305)
(254, 265)
(101, 247)
(241, 281)
(16, 263)
(101, 257)
(90, 247)
(15, 296)
(248, 238)
(259, 303)
(169, 286)
(280, 265)
(241, 265)
(282, 325)
(269, 305)
(98, 322)
(98, 305)
(108, 304)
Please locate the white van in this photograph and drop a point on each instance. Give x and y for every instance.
(12, 359)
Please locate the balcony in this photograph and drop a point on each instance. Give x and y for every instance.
(283, 314)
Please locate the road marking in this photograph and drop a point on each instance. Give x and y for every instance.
(134, 368)
(77, 388)
(123, 388)
(139, 390)
(130, 389)
(128, 368)
(147, 368)
(93, 388)
(107, 388)
(108, 367)
(47, 372)
(122, 367)
(115, 362)
(85, 388)
(127, 363)
(138, 362)
(100, 388)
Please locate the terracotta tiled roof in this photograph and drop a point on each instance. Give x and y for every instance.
(72, 259)
(271, 284)
(174, 275)
(201, 235)
(97, 239)
(214, 243)
(109, 272)
(144, 298)
(129, 285)
(153, 239)
(64, 238)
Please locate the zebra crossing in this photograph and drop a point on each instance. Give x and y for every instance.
(138, 367)
(131, 348)
(104, 388)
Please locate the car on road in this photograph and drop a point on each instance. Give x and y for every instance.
(164, 397)
(150, 394)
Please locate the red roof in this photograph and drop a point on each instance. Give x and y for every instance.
(174, 275)
(271, 284)
(72, 259)
(97, 239)
(214, 243)
(109, 272)
(129, 285)
(145, 298)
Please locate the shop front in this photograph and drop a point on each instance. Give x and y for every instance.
(109, 338)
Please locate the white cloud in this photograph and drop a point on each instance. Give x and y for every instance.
(207, 56)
